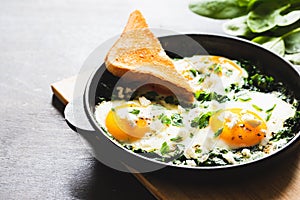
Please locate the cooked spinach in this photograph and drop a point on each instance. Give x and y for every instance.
(292, 127)
(151, 95)
(204, 96)
(202, 120)
(171, 100)
(258, 81)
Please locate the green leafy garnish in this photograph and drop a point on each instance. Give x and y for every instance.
(218, 69)
(198, 151)
(135, 112)
(164, 148)
(218, 132)
(176, 119)
(201, 80)
(229, 72)
(202, 120)
(268, 116)
(245, 99)
(204, 96)
(176, 139)
(164, 119)
(257, 107)
(194, 72)
(271, 109)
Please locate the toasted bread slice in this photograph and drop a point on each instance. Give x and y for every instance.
(139, 52)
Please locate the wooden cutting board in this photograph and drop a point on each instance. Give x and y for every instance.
(282, 181)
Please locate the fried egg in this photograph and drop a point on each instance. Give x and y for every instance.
(241, 123)
(145, 127)
(210, 73)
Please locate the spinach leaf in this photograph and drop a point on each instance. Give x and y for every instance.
(292, 41)
(238, 27)
(275, 44)
(272, 23)
(218, 9)
(289, 18)
(265, 17)
(293, 58)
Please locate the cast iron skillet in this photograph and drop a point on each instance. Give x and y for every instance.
(101, 82)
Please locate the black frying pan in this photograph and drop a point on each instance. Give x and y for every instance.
(101, 82)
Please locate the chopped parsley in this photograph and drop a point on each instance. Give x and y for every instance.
(198, 151)
(135, 111)
(257, 107)
(204, 96)
(218, 69)
(176, 120)
(271, 109)
(164, 119)
(218, 132)
(268, 116)
(194, 72)
(176, 139)
(245, 99)
(201, 80)
(164, 148)
(229, 72)
(202, 120)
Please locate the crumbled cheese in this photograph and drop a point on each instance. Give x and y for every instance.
(232, 123)
(190, 153)
(144, 101)
(246, 153)
(229, 157)
(250, 119)
(191, 163)
(203, 158)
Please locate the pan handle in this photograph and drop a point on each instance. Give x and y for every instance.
(76, 117)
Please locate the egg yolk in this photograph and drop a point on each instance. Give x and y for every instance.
(124, 130)
(238, 128)
(224, 61)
